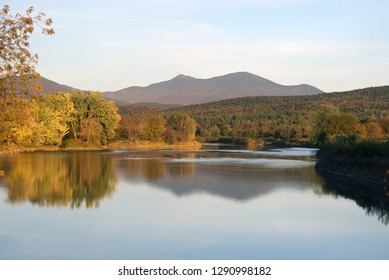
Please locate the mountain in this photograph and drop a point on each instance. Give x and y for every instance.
(49, 86)
(186, 90)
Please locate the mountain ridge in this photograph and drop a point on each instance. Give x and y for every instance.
(187, 90)
(49, 86)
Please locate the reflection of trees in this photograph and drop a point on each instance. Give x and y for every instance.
(60, 179)
(177, 173)
(155, 169)
(183, 169)
(371, 198)
(149, 169)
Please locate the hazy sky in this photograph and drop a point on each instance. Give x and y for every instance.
(109, 45)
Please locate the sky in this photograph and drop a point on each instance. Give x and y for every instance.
(110, 45)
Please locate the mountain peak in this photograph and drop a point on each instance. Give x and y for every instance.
(182, 76)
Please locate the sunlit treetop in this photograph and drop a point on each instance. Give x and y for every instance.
(17, 63)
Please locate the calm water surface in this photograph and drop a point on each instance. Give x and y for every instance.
(221, 202)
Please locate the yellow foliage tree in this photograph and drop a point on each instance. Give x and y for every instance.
(17, 63)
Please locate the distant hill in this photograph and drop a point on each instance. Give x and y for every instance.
(284, 117)
(365, 103)
(186, 90)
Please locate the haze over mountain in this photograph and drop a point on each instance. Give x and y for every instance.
(186, 90)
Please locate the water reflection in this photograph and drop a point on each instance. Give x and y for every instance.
(69, 179)
(233, 180)
(59, 179)
(372, 199)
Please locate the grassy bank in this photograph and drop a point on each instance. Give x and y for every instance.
(120, 144)
(147, 145)
(365, 161)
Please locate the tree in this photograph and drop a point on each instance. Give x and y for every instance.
(17, 121)
(91, 131)
(105, 113)
(54, 113)
(374, 131)
(17, 63)
(384, 122)
(340, 125)
(183, 126)
(319, 135)
(93, 107)
(154, 128)
(17, 73)
(132, 128)
(80, 112)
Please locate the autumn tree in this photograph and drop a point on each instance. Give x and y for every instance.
(154, 128)
(105, 113)
(17, 73)
(17, 63)
(340, 125)
(54, 113)
(374, 131)
(132, 128)
(181, 126)
(91, 131)
(17, 122)
(330, 123)
(94, 111)
(319, 135)
(80, 112)
(384, 123)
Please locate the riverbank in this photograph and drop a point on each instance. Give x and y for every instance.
(249, 142)
(147, 145)
(120, 144)
(366, 162)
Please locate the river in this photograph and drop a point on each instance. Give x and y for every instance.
(220, 202)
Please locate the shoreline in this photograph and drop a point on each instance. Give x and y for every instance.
(369, 171)
(120, 144)
(369, 179)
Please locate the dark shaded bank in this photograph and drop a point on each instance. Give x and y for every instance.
(271, 142)
(374, 200)
(366, 162)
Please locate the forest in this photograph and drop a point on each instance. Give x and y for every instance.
(79, 119)
(363, 112)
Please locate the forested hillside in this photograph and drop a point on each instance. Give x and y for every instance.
(290, 117)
